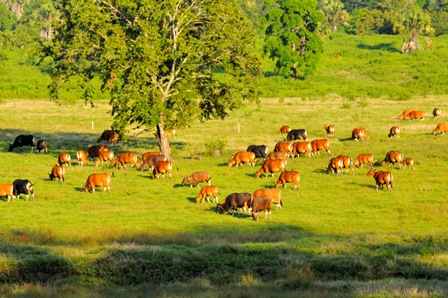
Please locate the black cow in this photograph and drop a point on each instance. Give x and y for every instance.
(297, 134)
(23, 186)
(23, 140)
(42, 146)
(235, 201)
(259, 150)
(109, 136)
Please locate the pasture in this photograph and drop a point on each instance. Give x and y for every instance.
(336, 236)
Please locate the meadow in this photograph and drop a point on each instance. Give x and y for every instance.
(335, 237)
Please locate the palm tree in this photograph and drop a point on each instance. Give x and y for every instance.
(334, 13)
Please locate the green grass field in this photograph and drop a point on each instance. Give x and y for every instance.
(336, 236)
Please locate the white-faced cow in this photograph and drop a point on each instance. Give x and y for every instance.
(359, 133)
(259, 150)
(233, 202)
(335, 165)
(23, 140)
(436, 112)
(109, 136)
(57, 172)
(382, 178)
(394, 131)
(296, 134)
(98, 180)
(23, 186)
(329, 129)
(196, 178)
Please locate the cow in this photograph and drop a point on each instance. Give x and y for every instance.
(241, 157)
(441, 127)
(94, 151)
(109, 136)
(271, 166)
(274, 194)
(283, 146)
(320, 144)
(150, 161)
(436, 112)
(284, 129)
(82, 157)
(23, 186)
(145, 156)
(393, 157)
(288, 177)
(259, 150)
(196, 178)
(162, 167)
(359, 133)
(123, 159)
(97, 180)
(394, 131)
(404, 114)
(408, 162)
(296, 134)
(235, 201)
(206, 191)
(65, 159)
(347, 162)
(329, 129)
(335, 165)
(278, 155)
(103, 157)
(304, 148)
(411, 115)
(41, 146)
(7, 190)
(382, 178)
(23, 140)
(362, 159)
(260, 204)
(58, 171)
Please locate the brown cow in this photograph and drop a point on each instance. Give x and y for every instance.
(41, 146)
(335, 165)
(284, 129)
(57, 172)
(123, 159)
(242, 157)
(271, 166)
(103, 157)
(359, 133)
(150, 161)
(408, 162)
(274, 194)
(347, 162)
(196, 178)
(393, 157)
(288, 177)
(109, 136)
(320, 144)
(206, 191)
(82, 157)
(94, 151)
(382, 178)
(64, 159)
(7, 190)
(162, 167)
(329, 129)
(97, 180)
(278, 155)
(145, 156)
(362, 159)
(304, 148)
(283, 146)
(394, 131)
(411, 115)
(437, 112)
(441, 127)
(404, 114)
(260, 204)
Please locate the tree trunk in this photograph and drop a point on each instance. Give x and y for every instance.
(164, 145)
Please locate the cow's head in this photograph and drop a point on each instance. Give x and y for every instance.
(11, 147)
(255, 215)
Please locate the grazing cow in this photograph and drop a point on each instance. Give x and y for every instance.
(297, 134)
(359, 133)
(97, 180)
(347, 162)
(196, 178)
(382, 178)
(65, 159)
(278, 155)
(335, 165)
(320, 144)
(259, 150)
(304, 148)
(436, 112)
(235, 201)
(94, 151)
(23, 140)
(242, 157)
(393, 157)
(103, 157)
(362, 159)
(404, 114)
(408, 162)
(123, 159)
(394, 131)
(162, 167)
(288, 177)
(441, 127)
(271, 166)
(411, 115)
(82, 157)
(284, 129)
(150, 161)
(274, 194)
(206, 191)
(41, 146)
(260, 204)
(7, 190)
(145, 156)
(109, 136)
(329, 129)
(284, 146)
(23, 186)
(58, 172)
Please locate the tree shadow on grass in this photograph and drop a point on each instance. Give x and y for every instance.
(390, 47)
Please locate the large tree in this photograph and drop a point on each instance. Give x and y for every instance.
(165, 62)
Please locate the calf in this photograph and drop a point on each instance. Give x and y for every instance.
(362, 159)
(235, 201)
(284, 129)
(441, 127)
(7, 190)
(206, 191)
(23, 140)
(304, 148)
(359, 133)
(408, 162)
(288, 177)
(242, 157)
(260, 204)
(329, 129)
(123, 159)
(335, 165)
(274, 194)
(58, 172)
(23, 186)
(297, 134)
(94, 151)
(162, 167)
(196, 178)
(393, 157)
(284, 146)
(320, 144)
(109, 136)
(259, 150)
(382, 178)
(41, 146)
(436, 112)
(150, 161)
(82, 157)
(271, 166)
(394, 131)
(97, 180)
(65, 159)
(103, 157)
